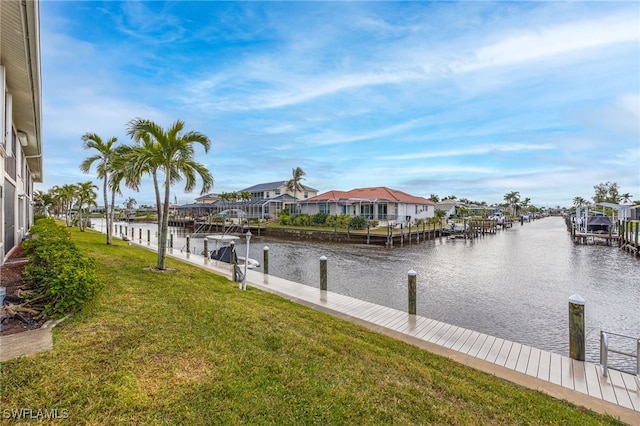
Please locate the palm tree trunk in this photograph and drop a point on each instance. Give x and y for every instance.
(111, 214)
(106, 207)
(158, 205)
(162, 242)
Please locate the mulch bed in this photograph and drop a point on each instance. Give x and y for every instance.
(11, 278)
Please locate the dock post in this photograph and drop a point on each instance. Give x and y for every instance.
(188, 244)
(576, 327)
(234, 270)
(368, 232)
(206, 248)
(412, 291)
(171, 241)
(323, 273)
(133, 233)
(148, 236)
(409, 233)
(140, 234)
(265, 260)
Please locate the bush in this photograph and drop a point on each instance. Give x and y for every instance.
(374, 223)
(358, 222)
(302, 220)
(319, 218)
(61, 276)
(343, 220)
(284, 218)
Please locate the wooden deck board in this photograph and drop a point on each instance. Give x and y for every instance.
(494, 351)
(544, 365)
(514, 354)
(620, 389)
(579, 376)
(523, 359)
(502, 357)
(468, 344)
(593, 384)
(486, 347)
(477, 345)
(534, 362)
(555, 369)
(567, 373)
(461, 340)
(454, 337)
(435, 333)
(631, 383)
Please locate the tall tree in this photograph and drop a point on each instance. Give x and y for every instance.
(512, 198)
(607, 192)
(295, 183)
(434, 198)
(85, 196)
(67, 196)
(104, 166)
(170, 153)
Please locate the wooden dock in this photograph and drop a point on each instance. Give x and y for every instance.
(581, 383)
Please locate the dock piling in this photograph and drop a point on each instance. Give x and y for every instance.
(411, 281)
(576, 328)
(323, 273)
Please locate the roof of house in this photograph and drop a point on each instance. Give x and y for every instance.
(379, 193)
(20, 48)
(270, 186)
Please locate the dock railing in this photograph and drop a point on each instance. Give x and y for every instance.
(605, 349)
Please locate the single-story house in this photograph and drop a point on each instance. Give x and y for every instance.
(386, 205)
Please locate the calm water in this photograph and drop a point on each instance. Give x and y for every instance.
(513, 285)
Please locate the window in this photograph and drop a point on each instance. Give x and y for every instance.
(277, 192)
(306, 194)
(324, 208)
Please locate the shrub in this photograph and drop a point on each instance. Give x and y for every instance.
(343, 220)
(319, 218)
(302, 220)
(358, 222)
(60, 274)
(374, 223)
(284, 218)
(330, 221)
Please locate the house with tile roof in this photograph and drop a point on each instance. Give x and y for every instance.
(386, 205)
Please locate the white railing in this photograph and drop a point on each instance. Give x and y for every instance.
(605, 349)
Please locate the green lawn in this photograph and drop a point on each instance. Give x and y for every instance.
(187, 348)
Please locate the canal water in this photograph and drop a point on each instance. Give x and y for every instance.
(514, 284)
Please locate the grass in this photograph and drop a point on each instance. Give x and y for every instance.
(187, 347)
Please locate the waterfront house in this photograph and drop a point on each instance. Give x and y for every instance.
(386, 205)
(20, 119)
(449, 207)
(267, 200)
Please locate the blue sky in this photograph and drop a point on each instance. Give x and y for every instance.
(474, 99)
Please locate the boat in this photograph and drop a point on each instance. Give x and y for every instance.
(223, 253)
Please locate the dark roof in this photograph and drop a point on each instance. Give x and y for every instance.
(270, 186)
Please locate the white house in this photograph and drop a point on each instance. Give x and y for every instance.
(388, 206)
(20, 118)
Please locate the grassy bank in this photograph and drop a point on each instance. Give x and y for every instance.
(187, 347)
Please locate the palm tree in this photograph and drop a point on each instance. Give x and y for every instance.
(171, 153)
(85, 196)
(434, 198)
(294, 184)
(104, 160)
(579, 201)
(66, 195)
(512, 198)
(626, 197)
